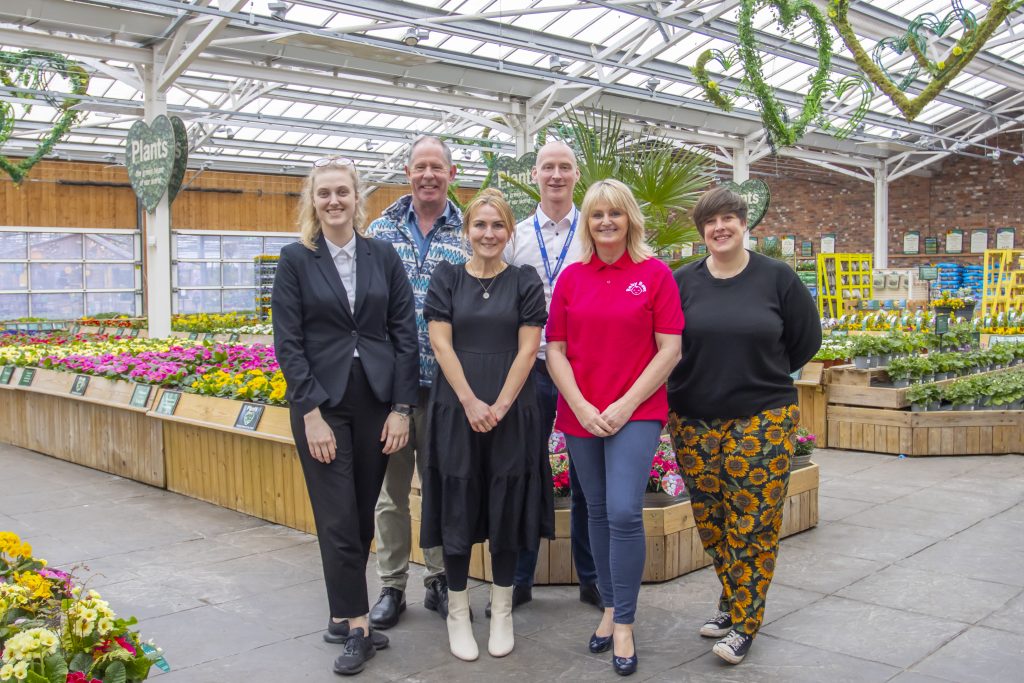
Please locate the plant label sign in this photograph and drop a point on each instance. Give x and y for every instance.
(6, 373)
(27, 375)
(757, 196)
(928, 273)
(168, 402)
(249, 416)
(140, 395)
(155, 159)
(80, 384)
(233, 337)
(193, 336)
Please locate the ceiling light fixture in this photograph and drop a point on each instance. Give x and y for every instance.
(278, 10)
(995, 154)
(1018, 160)
(558, 64)
(414, 35)
(652, 83)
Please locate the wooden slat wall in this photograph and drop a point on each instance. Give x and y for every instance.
(265, 203)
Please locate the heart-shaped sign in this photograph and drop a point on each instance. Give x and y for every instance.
(180, 157)
(963, 52)
(783, 131)
(38, 70)
(518, 170)
(149, 156)
(757, 196)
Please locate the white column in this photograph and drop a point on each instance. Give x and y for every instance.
(158, 227)
(741, 174)
(881, 219)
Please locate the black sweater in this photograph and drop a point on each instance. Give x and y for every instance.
(744, 335)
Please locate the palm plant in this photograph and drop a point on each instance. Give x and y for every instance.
(665, 180)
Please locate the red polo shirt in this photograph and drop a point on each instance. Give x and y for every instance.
(607, 314)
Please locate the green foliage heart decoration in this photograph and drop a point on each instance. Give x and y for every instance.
(782, 131)
(899, 46)
(149, 157)
(963, 52)
(840, 88)
(933, 24)
(757, 196)
(39, 70)
(711, 88)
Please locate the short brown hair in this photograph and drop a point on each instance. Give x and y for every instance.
(716, 202)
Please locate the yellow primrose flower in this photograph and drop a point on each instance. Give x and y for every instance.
(957, 51)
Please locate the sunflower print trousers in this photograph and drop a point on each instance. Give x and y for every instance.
(737, 473)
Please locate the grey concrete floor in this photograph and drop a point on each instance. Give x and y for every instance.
(915, 574)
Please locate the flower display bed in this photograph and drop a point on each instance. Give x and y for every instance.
(673, 545)
(99, 429)
(901, 432)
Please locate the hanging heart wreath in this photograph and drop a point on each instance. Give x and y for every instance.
(943, 71)
(38, 70)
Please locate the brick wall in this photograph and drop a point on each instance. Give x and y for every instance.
(963, 193)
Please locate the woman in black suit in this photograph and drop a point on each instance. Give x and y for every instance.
(345, 337)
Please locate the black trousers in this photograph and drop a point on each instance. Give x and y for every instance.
(344, 492)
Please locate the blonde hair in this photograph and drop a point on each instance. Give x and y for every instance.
(490, 197)
(619, 196)
(308, 222)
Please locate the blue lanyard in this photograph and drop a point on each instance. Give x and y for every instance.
(544, 251)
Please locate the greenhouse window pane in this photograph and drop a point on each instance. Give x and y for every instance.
(54, 245)
(12, 276)
(198, 274)
(274, 245)
(110, 247)
(239, 299)
(110, 276)
(13, 306)
(198, 246)
(13, 245)
(236, 274)
(199, 301)
(241, 247)
(56, 276)
(57, 306)
(122, 303)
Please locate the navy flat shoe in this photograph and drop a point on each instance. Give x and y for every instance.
(624, 666)
(599, 644)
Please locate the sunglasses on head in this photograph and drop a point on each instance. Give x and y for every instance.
(333, 161)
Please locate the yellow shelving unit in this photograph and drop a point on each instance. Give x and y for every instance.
(1004, 282)
(842, 277)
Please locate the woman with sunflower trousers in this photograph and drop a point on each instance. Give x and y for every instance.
(750, 323)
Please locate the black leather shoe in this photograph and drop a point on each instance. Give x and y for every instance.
(591, 595)
(337, 632)
(436, 597)
(624, 666)
(358, 650)
(390, 605)
(520, 596)
(599, 644)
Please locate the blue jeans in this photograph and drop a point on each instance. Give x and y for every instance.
(614, 471)
(526, 565)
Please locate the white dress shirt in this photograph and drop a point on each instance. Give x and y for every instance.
(345, 261)
(525, 249)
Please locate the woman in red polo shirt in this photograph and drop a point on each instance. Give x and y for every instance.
(613, 337)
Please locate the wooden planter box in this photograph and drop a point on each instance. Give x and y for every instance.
(255, 472)
(673, 545)
(901, 432)
(98, 429)
(850, 386)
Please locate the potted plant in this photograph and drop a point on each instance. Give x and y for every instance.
(924, 397)
(804, 444)
(961, 394)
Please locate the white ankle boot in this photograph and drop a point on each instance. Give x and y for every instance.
(460, 628)
(502, 639)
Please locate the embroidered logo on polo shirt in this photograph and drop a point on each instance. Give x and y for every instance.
(637, 288)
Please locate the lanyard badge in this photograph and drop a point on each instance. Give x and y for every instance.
(544, 251)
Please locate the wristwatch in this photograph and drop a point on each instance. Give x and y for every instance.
(403, 409)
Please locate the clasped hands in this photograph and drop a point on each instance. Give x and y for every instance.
(607, 422)
(323, 446)
(482, 417)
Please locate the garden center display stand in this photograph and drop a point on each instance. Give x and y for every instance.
(1003, 282)
(842, 277)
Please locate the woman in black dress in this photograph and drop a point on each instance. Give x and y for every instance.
(484, 479)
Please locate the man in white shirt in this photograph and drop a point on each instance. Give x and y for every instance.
(549, 241)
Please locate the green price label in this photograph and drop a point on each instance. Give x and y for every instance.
(140, 395)
(928, 273)
(79, 386)
(234, 337)
(194, 336)
(5, 374)
(168, 402)
(249, 416)
(27, 375)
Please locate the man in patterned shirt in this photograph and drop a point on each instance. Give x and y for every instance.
(425, 228)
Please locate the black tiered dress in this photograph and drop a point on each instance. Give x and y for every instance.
(494, 486)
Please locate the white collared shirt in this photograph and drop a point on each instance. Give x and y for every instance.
(345, 261)
(524, 249)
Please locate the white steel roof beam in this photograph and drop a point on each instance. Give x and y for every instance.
(196, 47)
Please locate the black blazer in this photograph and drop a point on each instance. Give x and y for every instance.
(315, 330)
